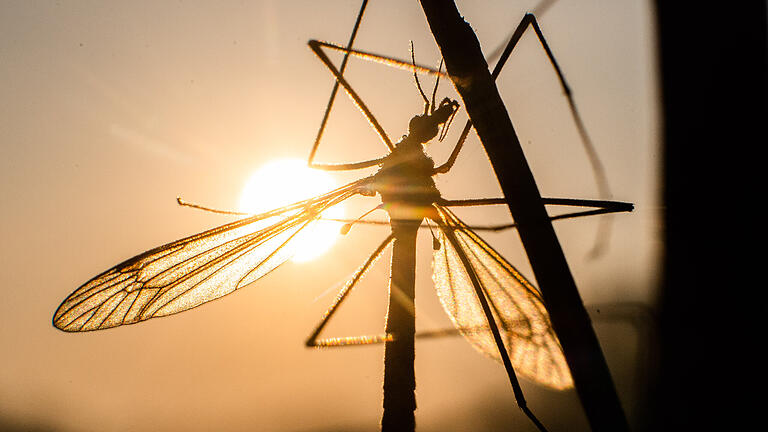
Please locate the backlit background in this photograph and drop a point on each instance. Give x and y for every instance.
(111, 110)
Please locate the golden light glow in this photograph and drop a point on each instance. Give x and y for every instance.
(285, 181)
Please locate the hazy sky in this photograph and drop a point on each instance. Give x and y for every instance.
(112, 109)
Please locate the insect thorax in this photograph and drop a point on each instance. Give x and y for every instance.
(405, 179)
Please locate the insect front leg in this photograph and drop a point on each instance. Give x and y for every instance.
(529, 20)
(317, 48)
(335, 89)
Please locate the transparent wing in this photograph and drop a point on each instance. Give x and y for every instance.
(517, 306)
(189, 272)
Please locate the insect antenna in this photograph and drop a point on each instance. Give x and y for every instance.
(437, 82)
(418, 84)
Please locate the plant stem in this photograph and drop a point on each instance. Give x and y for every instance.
(469, 72)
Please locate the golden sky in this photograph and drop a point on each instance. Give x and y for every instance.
(113, 109)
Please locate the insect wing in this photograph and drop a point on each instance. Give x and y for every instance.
(516, 305)
(189, 272)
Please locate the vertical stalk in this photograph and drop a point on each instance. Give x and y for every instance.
(399, 353)
(469, 72)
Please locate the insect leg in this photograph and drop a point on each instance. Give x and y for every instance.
(530, 20)
(317, 48)
(599, 206)
(597, 167)
(613, 206)
(471, 202)
(335, 89)
(312, 340)
(479, 291)
(185, 203)
(385, 60)
(572, 215)
(445, 167)
(346, 188)
(346, 166)
(321, 129)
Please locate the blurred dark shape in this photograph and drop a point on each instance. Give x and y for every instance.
(13, 425)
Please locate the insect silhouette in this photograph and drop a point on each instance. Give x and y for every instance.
(488, 300)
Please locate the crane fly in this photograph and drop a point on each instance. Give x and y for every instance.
(487, 299)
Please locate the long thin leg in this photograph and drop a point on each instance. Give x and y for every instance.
(312, 340)
(597, 167)
(615, 206)
(519, 397)
(347, 166)
(445, 167)
(551, 218)
(612, 206)
(357, 186)
(539, 10)
(600, 207)
(317, 46)
(185, 203)
(385, 60)
(335, 89)
(500, 227)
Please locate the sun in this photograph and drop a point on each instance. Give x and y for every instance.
(285, 181)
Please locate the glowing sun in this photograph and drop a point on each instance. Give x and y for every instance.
(285, 181)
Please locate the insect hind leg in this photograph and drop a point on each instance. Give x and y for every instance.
(313, 341)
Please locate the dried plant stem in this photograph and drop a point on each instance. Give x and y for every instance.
(469, 72)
